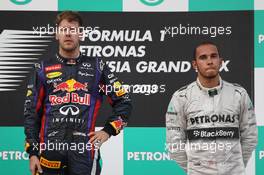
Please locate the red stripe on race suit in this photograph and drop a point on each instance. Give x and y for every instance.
(43, 122)
(96, 110)
(43, 117)
(40, 99)
(110, 101)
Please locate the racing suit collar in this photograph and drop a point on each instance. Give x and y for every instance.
(68, 61)
(211, 91)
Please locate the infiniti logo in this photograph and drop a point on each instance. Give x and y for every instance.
(87, 65)
(69, 110)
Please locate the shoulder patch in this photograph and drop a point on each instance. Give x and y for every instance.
(53, 67)
(237, 85)
(37, 65)
(236, 90)
(239, 88)
(182, 88)
(101, 65)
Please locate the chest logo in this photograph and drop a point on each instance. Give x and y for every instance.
(70, 86)
(53, 74)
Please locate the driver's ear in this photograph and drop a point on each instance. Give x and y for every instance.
(56, 35)
(194, 64)
(221, 61)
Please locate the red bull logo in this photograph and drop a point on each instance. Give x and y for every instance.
(70, 98)
(70, 86)
(118, 125)
(79, 86)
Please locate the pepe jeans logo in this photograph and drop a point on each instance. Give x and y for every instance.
(151, 2)
(21, 2)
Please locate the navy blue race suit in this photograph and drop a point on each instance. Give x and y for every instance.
(61, 106)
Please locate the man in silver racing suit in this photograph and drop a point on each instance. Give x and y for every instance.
(210, 123)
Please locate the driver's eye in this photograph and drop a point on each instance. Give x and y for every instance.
(63, 29)
(203, 57)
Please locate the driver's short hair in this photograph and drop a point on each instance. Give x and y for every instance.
(201, 44)
(69, 16)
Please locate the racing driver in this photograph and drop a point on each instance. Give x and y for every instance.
(64, 95)
(214, 121)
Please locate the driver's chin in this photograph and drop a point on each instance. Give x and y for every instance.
(68, 48)
(211, 75)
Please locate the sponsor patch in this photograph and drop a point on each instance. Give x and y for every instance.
(118, 125)
(30, 86)
(53, 74)
(101, 65)
(29, 93)
(117, 84)
(54, 80)
(27, 145)
(37, 65)
(213, 133)
(70, 86)
(120, 90)
(70, 98)
(171, 110)
(50, 164)
(85, 74)
(69, 110)
(53, 67)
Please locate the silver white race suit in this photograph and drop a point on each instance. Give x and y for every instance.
(211, 131)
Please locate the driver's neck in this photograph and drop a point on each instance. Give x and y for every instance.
(69, 54)
(209, 82)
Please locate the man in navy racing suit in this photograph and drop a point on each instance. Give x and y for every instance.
(64, 95)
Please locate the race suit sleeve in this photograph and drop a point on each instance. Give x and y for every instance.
(176, 130)
(119, 99)
(248, 128)
(33, 111)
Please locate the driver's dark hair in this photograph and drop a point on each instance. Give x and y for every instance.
(201, 44)
(69, 16)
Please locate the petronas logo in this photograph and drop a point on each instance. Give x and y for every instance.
(152, 2)
(20, 2)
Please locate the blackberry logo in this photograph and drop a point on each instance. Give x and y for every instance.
(196, 133)
(151, 2)
(213, 133)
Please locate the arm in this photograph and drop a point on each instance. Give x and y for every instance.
(120, 101)
(33, 111)
(176, 130)
(248, 128)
